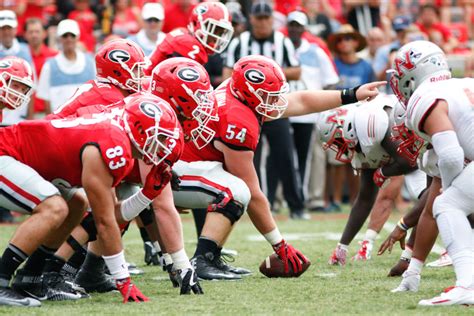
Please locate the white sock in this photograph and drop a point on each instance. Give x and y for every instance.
(456, 233)
(370, 235)
(156, 245)
(415, 266)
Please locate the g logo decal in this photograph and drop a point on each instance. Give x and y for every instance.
(151, 109)
(254, 76)
(188, 74)
(118, 56)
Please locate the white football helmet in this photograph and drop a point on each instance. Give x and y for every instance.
(335, 129)
(415, 63)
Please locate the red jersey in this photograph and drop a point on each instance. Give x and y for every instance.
(178, 43)
(238, 128)
(90, 93)
(54, 148)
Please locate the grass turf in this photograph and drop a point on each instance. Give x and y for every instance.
(357, 288)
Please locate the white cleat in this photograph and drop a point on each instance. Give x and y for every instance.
(410, 283)
(365, 251)
(443, 261)
(456, 295)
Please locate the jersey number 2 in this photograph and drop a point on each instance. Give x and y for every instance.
(192, 54)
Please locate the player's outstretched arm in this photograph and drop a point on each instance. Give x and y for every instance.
(97, 182)
(305, 102)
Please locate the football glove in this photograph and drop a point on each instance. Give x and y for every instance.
(188, 282)
(288, 254)
(156, 180)
(129, 291)
(380, 180)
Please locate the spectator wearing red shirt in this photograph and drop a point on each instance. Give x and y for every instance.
(86, 19)
(35, 35)
(428, 23)
(177, 14)
(127, 20)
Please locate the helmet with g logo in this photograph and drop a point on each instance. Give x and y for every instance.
(16, 82)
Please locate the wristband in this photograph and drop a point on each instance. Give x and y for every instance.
(401, 224)
(180, 260)
(134, 205)
(273, 237)
(117, 266)
(348, 96)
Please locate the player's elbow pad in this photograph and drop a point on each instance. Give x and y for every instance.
(450, 156)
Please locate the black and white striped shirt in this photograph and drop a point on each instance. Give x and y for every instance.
(277, 47)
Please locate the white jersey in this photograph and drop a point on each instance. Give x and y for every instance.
(371, 123)
(459, 94)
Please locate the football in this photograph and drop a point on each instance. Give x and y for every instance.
(273, 267)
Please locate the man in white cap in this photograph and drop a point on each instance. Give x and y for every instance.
(150, 35)
(9, 45)
(71, 68)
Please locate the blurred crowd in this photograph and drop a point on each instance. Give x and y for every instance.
(337, 44)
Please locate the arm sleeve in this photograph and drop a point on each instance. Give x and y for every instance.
(450, 156)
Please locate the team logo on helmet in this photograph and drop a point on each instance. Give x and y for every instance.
(119, 56)
(254, 76)
(150, 109)
(201, 9)
(188, 74)
(5, 64)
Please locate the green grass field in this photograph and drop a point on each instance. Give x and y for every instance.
(357, 288)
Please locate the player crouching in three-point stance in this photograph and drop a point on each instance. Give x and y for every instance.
(221, 176)
(95, 153)
(441, 111)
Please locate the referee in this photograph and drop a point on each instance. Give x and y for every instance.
(281, 163)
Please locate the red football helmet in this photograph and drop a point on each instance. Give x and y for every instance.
(121, 62)
(210, 23)
(185, 85)
(16, 82)
(152, 127)
(411, 145)
(259, 82)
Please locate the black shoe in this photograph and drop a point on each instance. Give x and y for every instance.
(94, 282)
(222, 263)
(151, 255)
(12, 298)
(207, 269)
(300, 215)
(56, 283)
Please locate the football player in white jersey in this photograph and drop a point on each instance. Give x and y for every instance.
(361, 135)
(441, 111)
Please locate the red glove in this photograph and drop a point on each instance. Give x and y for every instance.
(287, 253)
(156, 180)
(129, 291)
(380, 180)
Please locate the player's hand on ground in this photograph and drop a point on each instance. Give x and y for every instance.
(129, 291)
(289, 255)
(156, 180)
(369, 91)
(397, 234)
(188, 282)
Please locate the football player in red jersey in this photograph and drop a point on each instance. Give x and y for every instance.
(16, 83)
(209, 32)
(96, 154)
(221, 175)
(120, 68)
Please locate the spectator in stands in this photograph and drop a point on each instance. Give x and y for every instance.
(150, 35)
(9, 45)
(375, 39)
(428, 23)
(353, 71)
(317, 73)
(179, 11)
(363, 14)
(35, 34)
(64, 73)
(318, 22)
(87, 21)
(127, 20)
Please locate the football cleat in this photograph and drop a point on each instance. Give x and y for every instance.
(443, 261)
(94, 282)
(338, 256)
(410, 282)
(12, 298)
(59, 289)
(133, 269)
(207, 268)
(222, 263)
(151, 255)
(456, 295)
(365, 251)
(399, 268)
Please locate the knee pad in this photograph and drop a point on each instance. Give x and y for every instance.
(231, 209)
(241, 194)
(147, 216)
(89, 226)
